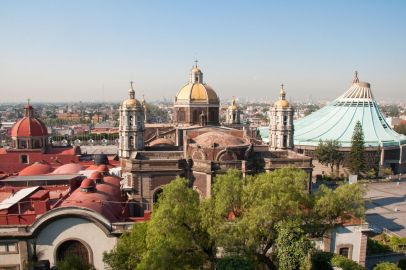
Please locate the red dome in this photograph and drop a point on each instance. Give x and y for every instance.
(70, 168)
(88, 183)
(29, 126)
(36, 169)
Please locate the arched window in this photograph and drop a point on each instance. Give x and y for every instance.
(73, 248)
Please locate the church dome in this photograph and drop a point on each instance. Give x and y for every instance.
(233, 106)
(219, 138)
(29, 126)
(282, 102)
(131, 102)
(196, 91)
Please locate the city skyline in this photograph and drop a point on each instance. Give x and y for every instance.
(89, 51)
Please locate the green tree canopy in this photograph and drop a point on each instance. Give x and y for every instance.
(263, 219)
(328, 154)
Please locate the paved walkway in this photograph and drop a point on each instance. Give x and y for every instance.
(386, 206)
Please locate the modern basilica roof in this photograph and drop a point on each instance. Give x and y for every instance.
(336, 121)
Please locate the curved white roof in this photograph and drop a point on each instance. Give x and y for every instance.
(337, 120)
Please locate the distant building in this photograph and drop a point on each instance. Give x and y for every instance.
(30, 144)
(69, 116)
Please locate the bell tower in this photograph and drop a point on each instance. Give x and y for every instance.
(132, 125)
(281, 123)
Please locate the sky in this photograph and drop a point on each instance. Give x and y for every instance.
(90, 50)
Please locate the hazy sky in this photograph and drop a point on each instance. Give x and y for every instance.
(72, 50)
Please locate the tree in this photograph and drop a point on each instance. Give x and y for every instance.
(292, 244)
(386, 266)
(174, 237)
(328, 154)
(130, 248)
(266, 219)
(264, 203)
(356, 160)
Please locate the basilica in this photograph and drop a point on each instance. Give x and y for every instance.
(196, 145)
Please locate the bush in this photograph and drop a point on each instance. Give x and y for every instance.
(234, 262)
(326, 261)
(72, 262)
(376, 246)
(386, 266)
(345, 263)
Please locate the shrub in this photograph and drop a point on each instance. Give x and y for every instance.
(72, 262)
(386, 266)
(376, 246)
(326, 261)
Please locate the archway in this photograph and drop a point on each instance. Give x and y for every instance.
(73, 248)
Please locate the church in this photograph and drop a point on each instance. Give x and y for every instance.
(196, 145)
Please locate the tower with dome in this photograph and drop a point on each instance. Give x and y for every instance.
(196, 103)
(132, 125)
(233, 114)
(281, 123)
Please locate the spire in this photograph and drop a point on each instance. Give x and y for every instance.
(355, 80)
(196, 63)
(131, 91)
(282, 93)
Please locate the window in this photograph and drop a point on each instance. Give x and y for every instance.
(24, 159)
(345, 251)
(8, 247)
(285, 120)
(23, 144)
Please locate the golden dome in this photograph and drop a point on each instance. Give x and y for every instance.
(197, 92)
(282, 103)
(130, 103)
(233, 106)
